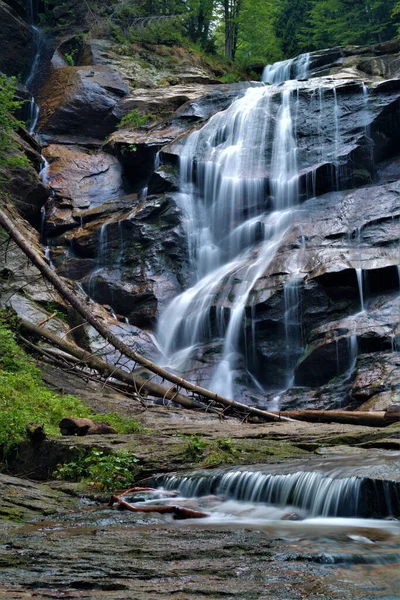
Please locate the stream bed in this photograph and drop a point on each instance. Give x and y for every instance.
(247, 548)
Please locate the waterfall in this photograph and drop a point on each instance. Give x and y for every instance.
(293, 324)
(239, 188)
(359, 273)
(231, 236)
(33, 73)
(293, 68)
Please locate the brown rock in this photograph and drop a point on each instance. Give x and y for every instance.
(80, 100)
(79, 179)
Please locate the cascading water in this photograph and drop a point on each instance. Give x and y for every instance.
(231, 237)
(240, 184)
(293, 324)
(31, 79)
(293, 68)
(332, 488)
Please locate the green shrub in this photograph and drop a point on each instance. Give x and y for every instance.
(102, 471)
(196, 448)
(134, 118)
(8, 146)
(229, 78)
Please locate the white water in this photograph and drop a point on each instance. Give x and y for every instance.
(293, 68)
(313, 487)
(231, 236)
(293, 325)
(34, 108)
(239, 188)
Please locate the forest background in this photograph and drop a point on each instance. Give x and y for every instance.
(245, 31)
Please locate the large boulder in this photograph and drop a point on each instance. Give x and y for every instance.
(80, 101)
(83, 178)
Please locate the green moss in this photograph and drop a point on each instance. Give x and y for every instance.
(135, 118)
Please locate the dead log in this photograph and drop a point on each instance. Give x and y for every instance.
(369, 419)
(392, 414)
(109, 370)
(179, 512)
(105, 333)
(82, 426)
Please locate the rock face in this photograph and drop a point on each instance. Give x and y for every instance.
(380, 61)
(16, 39)
(323, 316)
(80, 100)
(127, 253)
(79, 179)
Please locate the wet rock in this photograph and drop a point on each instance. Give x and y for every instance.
(138, 251)
(79, 179)
(23, 500)
(380, 60)
(136, 149)
(334, 347)
(80, 101)
(377, 380)
(16, 40)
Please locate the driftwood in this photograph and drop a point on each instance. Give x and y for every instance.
(105, 333)
(370, 419)
(109, 370)
(179, 512)
(82, 426)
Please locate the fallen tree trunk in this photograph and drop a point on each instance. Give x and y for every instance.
(109, 370)
(105, 333)
(370, 419)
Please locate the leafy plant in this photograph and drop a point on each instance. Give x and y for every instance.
(70, 57)
(196, 447)
(24, 398)
(8, 105)
(102, 471)
(134, 118)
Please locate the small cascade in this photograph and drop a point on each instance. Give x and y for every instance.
(285, 70)
(315, 493)
(31, 79)
(101, 261)
(336, 112)
(359, 273)
(367, 126)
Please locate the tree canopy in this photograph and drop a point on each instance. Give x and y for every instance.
(250, 31)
